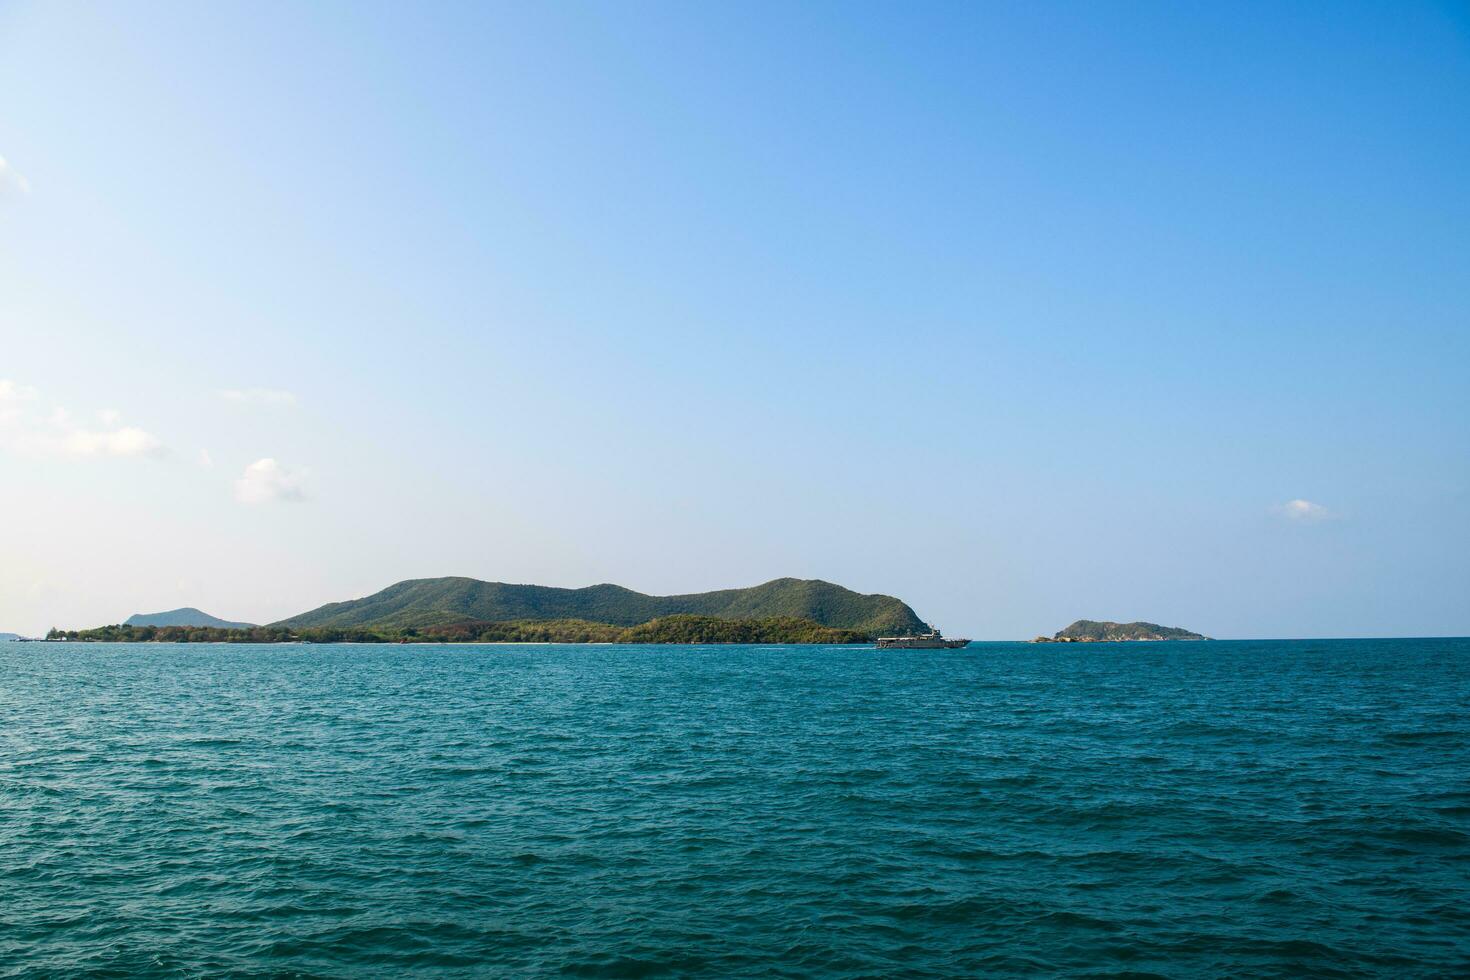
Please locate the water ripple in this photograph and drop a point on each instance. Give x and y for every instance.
(1240, 809)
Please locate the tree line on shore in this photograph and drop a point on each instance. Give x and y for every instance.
(665, 629)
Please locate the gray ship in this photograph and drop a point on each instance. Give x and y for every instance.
(933, 640)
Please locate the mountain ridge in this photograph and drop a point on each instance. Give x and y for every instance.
(421, 603)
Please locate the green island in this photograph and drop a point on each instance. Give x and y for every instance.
(1104, 631)
(465, 610)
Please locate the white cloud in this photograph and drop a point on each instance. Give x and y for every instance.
(126, 441)
(266, 480)
(1303, 510)
(205, 460)
(10, 180)
(27, 429)
(275, 397)
(12, 392)
(12, 401)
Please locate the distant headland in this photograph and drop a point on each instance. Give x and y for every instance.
(187, 616)
(460, 610)
(1103, 631)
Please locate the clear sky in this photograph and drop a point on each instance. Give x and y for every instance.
(1021, 312)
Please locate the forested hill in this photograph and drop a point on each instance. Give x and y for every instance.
(421, 603)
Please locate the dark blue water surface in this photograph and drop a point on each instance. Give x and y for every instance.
(1231, 808)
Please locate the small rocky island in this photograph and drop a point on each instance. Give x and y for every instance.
(1095, 631)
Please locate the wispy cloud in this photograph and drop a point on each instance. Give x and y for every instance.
(274, 397)
(10, 180)
(12, 392)
(25, 428)
(1302, 510)
(14, 399)
(267, 481)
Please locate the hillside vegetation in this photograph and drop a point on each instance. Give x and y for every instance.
(669, 629)
(709, 629)
(423, 603)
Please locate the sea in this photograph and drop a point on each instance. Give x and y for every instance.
(1221, 809)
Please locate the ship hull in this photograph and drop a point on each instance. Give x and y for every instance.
(920, 643)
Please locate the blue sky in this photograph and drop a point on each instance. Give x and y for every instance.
(1021, 312)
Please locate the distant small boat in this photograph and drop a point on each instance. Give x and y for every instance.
(933, 640)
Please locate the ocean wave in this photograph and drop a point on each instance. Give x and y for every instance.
(1251, 809)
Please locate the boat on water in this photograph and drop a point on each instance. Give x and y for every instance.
(932, 640)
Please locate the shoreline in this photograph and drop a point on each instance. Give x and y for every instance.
(449, 643)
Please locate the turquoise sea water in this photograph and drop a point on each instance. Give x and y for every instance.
(1222, 809)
